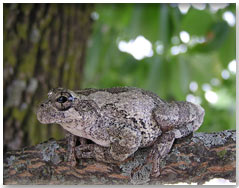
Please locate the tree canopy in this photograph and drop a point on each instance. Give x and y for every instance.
(179, 51)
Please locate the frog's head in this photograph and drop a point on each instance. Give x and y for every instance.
(57, 108)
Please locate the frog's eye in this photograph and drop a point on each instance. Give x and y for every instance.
(63, 101)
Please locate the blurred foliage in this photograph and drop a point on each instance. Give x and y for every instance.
(166, 74)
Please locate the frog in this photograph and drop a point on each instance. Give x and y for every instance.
(119, 121)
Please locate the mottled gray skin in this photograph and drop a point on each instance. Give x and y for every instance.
(120, 120)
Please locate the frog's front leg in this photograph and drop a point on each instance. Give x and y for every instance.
(176, 120)
(124, 141)
(71, 145)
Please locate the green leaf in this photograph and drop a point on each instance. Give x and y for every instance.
(227, 51)
(196, 22)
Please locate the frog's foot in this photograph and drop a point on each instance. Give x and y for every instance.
(83, 141)
(154, 158)
(95, 151)
(85, 151)
(159, 150)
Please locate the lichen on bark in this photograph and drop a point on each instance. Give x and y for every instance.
(191, 160)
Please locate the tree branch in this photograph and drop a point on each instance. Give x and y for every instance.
(196, 158)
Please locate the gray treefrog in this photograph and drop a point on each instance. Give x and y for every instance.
(119, 121)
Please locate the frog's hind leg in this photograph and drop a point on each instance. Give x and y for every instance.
(159, 150)
(163, 145)
(182, 118)
(176, 120)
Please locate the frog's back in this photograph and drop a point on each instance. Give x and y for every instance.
(129, 104)
(120, 90)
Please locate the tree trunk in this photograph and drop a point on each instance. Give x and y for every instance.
(196, 158)
(44, 48)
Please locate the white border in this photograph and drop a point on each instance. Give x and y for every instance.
(118, 1)
(237, 91)
(1, 93)
(112, 1)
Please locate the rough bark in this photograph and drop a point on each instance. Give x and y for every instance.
(44, 48)
(196, 158)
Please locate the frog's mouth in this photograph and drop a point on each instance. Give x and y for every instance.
(46, 115)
